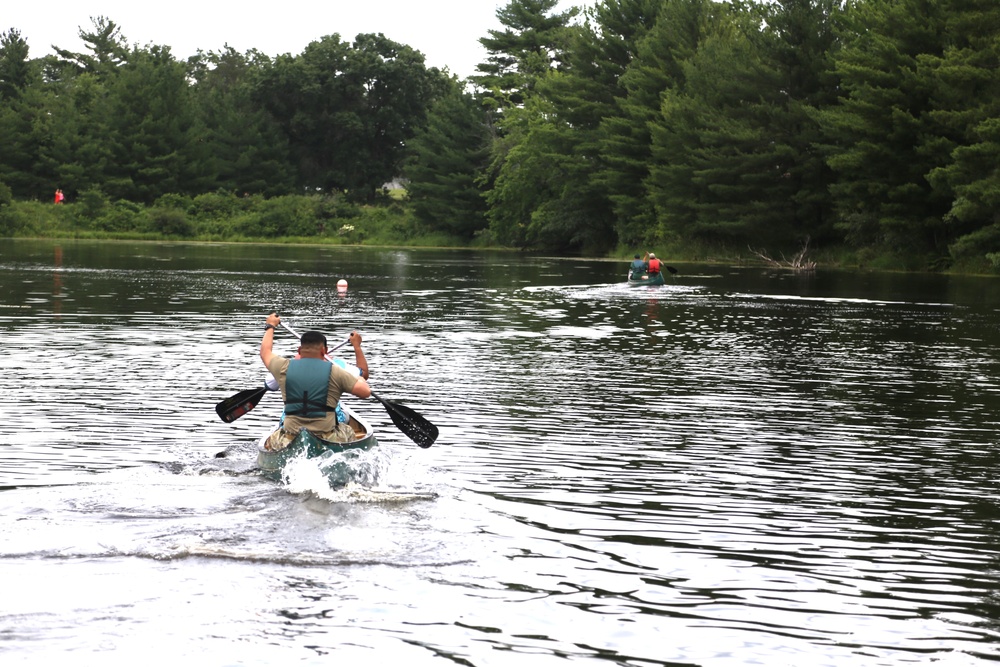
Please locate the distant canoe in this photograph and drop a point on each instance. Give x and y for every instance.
(649, 279)
(272, 464)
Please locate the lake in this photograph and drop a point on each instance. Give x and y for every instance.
(742, 467)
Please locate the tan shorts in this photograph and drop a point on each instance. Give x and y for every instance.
(282, 438)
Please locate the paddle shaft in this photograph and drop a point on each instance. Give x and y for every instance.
(289, 330)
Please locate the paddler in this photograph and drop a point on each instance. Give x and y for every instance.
(652, 264)
(311, 386)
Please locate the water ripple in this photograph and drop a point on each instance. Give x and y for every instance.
(739, 468)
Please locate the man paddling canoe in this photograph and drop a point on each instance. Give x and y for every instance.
(311, 386)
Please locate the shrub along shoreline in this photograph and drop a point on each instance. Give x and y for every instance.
(224, 217)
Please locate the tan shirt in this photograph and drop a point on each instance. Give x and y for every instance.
(341, 382)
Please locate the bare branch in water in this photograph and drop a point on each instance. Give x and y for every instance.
(797, 263)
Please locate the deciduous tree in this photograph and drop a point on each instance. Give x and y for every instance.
(348, 110)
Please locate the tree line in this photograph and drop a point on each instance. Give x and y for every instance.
(137, 123)
(868, 124)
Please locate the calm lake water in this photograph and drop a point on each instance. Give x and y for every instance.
(743, 467)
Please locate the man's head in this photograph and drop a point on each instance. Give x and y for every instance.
(652, 256)
(637, 256)
(312, 344)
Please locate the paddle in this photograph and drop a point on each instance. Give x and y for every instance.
(413, 425)
(239, 404)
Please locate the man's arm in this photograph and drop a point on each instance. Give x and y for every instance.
(267, 342)
(359, 355)
(361, 389)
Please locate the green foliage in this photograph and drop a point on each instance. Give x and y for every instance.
(137, 124)
(537, 182)
(533, 41)
(92, 204)
(733, 149)
(540, 197)
(175, 201)
(107, 46)
(7, 220)
(16, 71)
(687, 123)
(26, 217)
(395, 224)
(27, 130)
(170, 222)
(154, 132)
(670, 37)
(348, 111)
(978, 244)
(714, 151)
(290, 215)
(121, 216)
(446, 157)
(218, 205)
(338, 207)
(882, 139)
(246, 150)
(965, 85)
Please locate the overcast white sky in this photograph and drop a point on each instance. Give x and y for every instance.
(447, 32)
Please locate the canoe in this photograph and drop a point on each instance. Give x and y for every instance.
(336, 456)
(637, 279)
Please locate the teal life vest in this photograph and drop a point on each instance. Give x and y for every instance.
(306, 385)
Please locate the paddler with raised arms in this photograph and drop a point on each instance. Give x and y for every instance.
(311, 386)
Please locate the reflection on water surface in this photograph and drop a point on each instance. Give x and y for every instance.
(741, 467)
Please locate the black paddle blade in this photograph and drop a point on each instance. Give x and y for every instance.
(671, 270)
(410, 422)
(239, 404)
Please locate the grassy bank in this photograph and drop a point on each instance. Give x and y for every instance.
(325, 220)
(225, 217)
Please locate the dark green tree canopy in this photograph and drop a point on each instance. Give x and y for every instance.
(349, 109)
(533, 41)
(706, 123)
(16, 71)
(107, 48)
(446, 156)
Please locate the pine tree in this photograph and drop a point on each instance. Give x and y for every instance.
(881, 139)
(966, 99)
(247, 152)
(108, 49)
(445, 158)
(532, 42)
(734, 157)
(532, 46)
(16, 71)
(626, 142)
(154, 133)
(348, 110)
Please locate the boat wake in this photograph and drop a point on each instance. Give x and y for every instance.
(306, 478)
